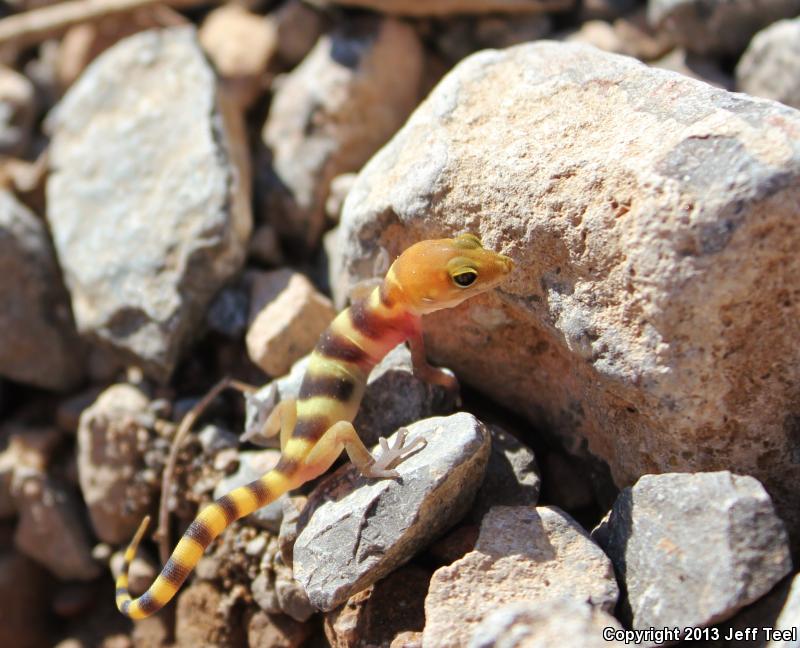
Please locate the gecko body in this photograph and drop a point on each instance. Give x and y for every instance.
(314, 429)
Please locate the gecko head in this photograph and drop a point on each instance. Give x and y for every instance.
(442, 273)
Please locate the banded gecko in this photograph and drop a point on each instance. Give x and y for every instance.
(314, 429)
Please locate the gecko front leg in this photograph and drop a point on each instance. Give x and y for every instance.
(427, 372)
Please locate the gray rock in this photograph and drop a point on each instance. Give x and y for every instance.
(394, 397)
(39, 346)
(512, 476)
(770, 66)
(50, 529)
(355, 531)
(523, 554)
(213, 438)
(148, 197)
(650, 219)
(228, 312)
(113, 438)
(17, 111)
(716, 26)
(331, 113)
(252, 465)
(544, 625)
(692, 549)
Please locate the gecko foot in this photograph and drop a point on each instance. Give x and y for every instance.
(382, 467)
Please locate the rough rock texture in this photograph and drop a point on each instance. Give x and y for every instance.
(691, 550)
(546, 624)
(275, 631)
(50, 528)
(523, 553)
(17, 111)
(512, 476)
(331, 113)
(354, 532)
(112, 438)
(394, 397)
(287, 316)
(770, 66)
(253, 464)
(203, 619)
(148, 197)
(379, 613)
(35, 313)
(447, 7)
(653, 313)
(241, 45)
(717, 26)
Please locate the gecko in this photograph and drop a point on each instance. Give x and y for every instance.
(317, 426)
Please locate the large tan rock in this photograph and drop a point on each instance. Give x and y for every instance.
(523, 554)
(653, 220)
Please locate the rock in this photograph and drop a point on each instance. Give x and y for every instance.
(253, 464)
(648, 320)
(455, 544)
(287, 316)
(523, 553)
(83, 43)
(26, 448)
(696, 67)
(449, 7)
(407, 640)
(148, 198)
(23, 602)
(17, 111)
(770, 66)
(340, 187)
(276, 631)
(394, 397)
(36, 315)
(73, 599)
(347, 97)
(202, 619)
(291, 597)
(113, 436)
(545, 625)
(228, 313)
(298, 26)
(379, 613)
(214, 439)
(241, 45)
(69, 410)
(693, 549)
(354, 532)
(512, 476)
(716, 27)
(605, 9)
(265, 247)
(50, 528)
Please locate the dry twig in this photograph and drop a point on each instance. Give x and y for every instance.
(162, 532)
(37, 25)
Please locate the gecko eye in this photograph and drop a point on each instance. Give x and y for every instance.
(464, 279)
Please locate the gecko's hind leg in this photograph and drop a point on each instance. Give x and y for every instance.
(398, 452)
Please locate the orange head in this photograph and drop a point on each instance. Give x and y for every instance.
(442, 273)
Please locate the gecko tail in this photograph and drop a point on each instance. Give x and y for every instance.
(211, 521)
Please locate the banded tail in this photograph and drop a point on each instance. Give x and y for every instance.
(211, 521)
